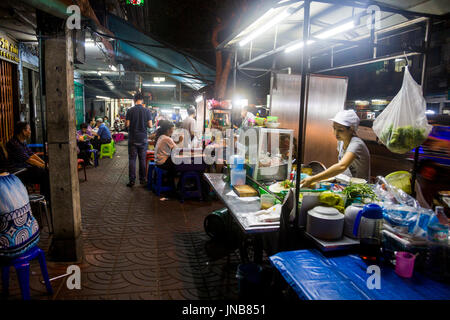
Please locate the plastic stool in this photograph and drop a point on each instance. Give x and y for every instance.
(150, 169)
(197, 193)
(113, 143)
(94, 156)
(107, 150)
(22, 266)
(158, 185)
(121, 136)
(150, 156)
(83, 164)
(39, 199)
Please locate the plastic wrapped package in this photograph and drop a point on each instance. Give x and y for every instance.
(403, 125)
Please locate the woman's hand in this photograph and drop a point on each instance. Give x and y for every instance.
(307, 182)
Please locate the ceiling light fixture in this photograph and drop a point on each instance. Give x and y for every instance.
(323, 35)
(159, 85)
(274, 21)
(199, 99)
(297, 46)
(112, 67)
(334, 31)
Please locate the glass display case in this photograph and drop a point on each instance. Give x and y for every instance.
(267, 152)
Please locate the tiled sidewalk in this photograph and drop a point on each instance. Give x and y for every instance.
(138, 247)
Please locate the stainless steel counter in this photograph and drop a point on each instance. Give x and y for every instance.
(238, 208)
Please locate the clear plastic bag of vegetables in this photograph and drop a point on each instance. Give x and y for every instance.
(403, 125)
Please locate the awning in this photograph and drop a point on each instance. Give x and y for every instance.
(278, 28)
(178, 65)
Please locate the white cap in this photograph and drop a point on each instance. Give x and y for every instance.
(347, 118)
(99, 120)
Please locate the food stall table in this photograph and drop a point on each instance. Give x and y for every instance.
(315, 277)
(237, 209)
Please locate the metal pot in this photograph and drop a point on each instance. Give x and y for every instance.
(325, 223)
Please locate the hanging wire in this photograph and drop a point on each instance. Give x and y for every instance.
(253, 77)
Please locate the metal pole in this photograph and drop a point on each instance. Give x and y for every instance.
(423, 82)
(204, 120)
(41, 94)
(234, 83)
(372, 35)
(304, 70)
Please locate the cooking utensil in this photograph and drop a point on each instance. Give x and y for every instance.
(325, 223)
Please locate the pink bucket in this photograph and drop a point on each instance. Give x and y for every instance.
(404, 264)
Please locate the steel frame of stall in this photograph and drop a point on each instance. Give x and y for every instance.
(305, 57)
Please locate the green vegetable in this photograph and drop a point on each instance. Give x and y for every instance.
(402, 139)
(354, 191)
(286, 184)
(331, 199)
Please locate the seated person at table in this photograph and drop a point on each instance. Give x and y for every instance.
(22, 157)
(83, 142)
(103, 135)
(164, 146)
(19, 230)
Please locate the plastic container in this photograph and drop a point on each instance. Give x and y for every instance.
(400, 180)
(267, 201)
(237, 162)
(404, 264)
(237, 177)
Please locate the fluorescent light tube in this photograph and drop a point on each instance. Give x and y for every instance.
(102, 97)
(337, 30)
(113, 68)
(159, 85)
(274, 21)
(297, 46)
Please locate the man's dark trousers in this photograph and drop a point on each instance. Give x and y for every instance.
(138, 149)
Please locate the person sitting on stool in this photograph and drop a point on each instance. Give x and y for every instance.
(22, 157)
(103, 135)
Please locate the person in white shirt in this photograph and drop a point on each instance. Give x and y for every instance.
(189, 123)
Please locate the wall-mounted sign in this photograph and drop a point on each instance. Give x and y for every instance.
(8, 49)
(136, 2)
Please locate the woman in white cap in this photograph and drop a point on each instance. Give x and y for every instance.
(354, 157)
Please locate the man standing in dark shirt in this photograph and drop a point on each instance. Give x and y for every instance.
(22, 157)
(138, 119)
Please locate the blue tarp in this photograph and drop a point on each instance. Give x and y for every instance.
(315, 277)
(162, 59)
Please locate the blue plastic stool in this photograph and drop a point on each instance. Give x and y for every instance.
(151, 167)
(94, 154)
(158, 185)
(22, 266)
(185, 177)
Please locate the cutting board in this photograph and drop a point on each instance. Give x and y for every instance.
(245, 191)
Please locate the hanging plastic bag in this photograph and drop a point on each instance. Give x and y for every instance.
(403, 125)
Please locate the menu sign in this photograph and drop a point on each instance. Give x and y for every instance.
(8, 49)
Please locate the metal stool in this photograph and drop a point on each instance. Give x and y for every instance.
(39, 200)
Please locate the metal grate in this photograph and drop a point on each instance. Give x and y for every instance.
(6, 102)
